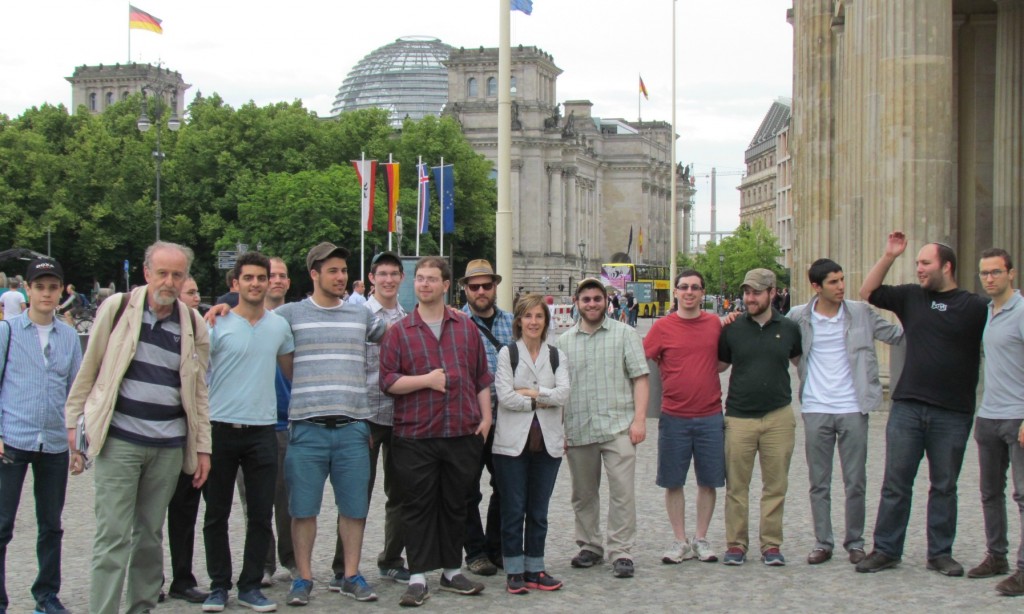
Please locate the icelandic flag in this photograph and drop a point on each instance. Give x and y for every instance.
(367, 171)
(423, 218)
(444, 177)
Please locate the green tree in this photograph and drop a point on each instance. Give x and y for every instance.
(725, 264)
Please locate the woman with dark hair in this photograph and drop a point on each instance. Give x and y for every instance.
(532, 383)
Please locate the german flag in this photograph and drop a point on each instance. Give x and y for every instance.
(643, 88)
(141, 20)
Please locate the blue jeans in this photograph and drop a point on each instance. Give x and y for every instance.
(50, 481)
(526, 483)
(915, 430)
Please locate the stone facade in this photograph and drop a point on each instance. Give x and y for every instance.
(98, 87)
(575, 177)
(907, 115)
(762, 195)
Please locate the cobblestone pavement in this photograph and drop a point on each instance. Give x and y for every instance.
(708, 587)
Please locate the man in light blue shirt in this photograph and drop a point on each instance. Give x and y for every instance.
(41, 356)
(246, 347)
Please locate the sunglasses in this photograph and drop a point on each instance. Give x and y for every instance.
(477, 287)
(694, 287)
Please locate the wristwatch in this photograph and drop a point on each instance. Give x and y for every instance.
(533, 403)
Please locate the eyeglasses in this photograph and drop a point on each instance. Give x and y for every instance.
(477, 287)
(591, 299)
(694, 287)
(992, 273)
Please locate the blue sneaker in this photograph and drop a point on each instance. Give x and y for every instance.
(773, 558)
(299, 595)
(216, 601)
(256, 601)
(50, 605)
(735, 556)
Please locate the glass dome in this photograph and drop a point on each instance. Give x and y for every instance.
(405, 77)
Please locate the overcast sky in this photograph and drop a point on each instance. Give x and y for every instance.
(734, 57)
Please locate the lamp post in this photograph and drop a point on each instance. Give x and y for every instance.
(173, 124)
(721, 277)
(582, 246)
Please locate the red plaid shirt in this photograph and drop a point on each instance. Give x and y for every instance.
(410, 348)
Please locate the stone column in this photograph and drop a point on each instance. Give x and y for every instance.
(1008, 182)
(574, 223)
(812, 133)
(557, 217)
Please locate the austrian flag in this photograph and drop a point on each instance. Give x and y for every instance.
(367, 171)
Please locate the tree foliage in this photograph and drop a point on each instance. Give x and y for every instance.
(724, 265)
(277, 175)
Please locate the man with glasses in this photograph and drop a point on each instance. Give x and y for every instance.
(434, 365)
(483, 548)
(932, 403)
(839, 386)
(999, 427)
(605, 419)
(759, 421)
(685, 347)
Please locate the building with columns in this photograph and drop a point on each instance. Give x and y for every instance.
(577, 179)
(906, 115)
(98, 87)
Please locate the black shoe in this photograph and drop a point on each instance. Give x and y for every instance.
(191, 595)
(623, 568)
(877, 561)
(946, 565)
(586, 558)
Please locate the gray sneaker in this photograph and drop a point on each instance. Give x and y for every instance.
(414, 596)
(677, 553)
(702, 549)
(357, 588)
(482, 567)
(395, 574)
(623, 568)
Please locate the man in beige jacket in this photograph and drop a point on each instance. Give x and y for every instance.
(142, 389)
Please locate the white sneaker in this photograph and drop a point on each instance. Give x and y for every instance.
(679, 552)
(268, 580)
(702, 549)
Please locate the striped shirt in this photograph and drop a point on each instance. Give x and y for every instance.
(36, 384)
(329, 377)
(148, 411)
(603, 365)
(382, 407)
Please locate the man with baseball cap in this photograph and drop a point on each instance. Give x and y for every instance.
(41, 356)
(483, 548)
(759, 419)
(605, 419)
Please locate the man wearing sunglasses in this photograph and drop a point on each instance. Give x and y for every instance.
(605, 419)
(483, 547)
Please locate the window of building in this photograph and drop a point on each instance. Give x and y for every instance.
(512, 89)
(124, 95)
(92, 102)
(492, 87)
(471, 88)
(110, 98)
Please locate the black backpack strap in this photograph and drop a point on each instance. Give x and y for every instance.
(120, 311)
(7, 352)
(192, 320)
(490, 336)
(513, 356)
(554, 358)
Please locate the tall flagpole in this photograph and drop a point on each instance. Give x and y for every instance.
(673, 222)
(362, 220)
(440, 200)
(639, 116)
(388, 182)
(503, 218)
(419, 203)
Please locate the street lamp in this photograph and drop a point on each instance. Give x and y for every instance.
(173, 124)
(721, 277)
(582, 246)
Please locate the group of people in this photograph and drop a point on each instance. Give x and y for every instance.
(280, 397)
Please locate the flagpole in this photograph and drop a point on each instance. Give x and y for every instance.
(674, 213)
(639, 116)
(389, 205)
(440, 201)
(419, 203)
(130, 38)
(362, 220)
(503, 217)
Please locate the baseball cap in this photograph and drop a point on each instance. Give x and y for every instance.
(759, 279)
(323, 251)
(44, 266)
(387, 256)
(591, 282)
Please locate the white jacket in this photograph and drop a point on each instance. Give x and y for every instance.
(515, 413)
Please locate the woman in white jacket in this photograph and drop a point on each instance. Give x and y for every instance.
(532, 383)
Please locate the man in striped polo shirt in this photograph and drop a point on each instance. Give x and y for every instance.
(328, 413)
(142, 388)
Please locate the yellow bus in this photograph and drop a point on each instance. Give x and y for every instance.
(649, 284)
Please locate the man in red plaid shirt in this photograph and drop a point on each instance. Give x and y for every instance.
(435, 366)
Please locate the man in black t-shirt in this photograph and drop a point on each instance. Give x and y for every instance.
(933, 402)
